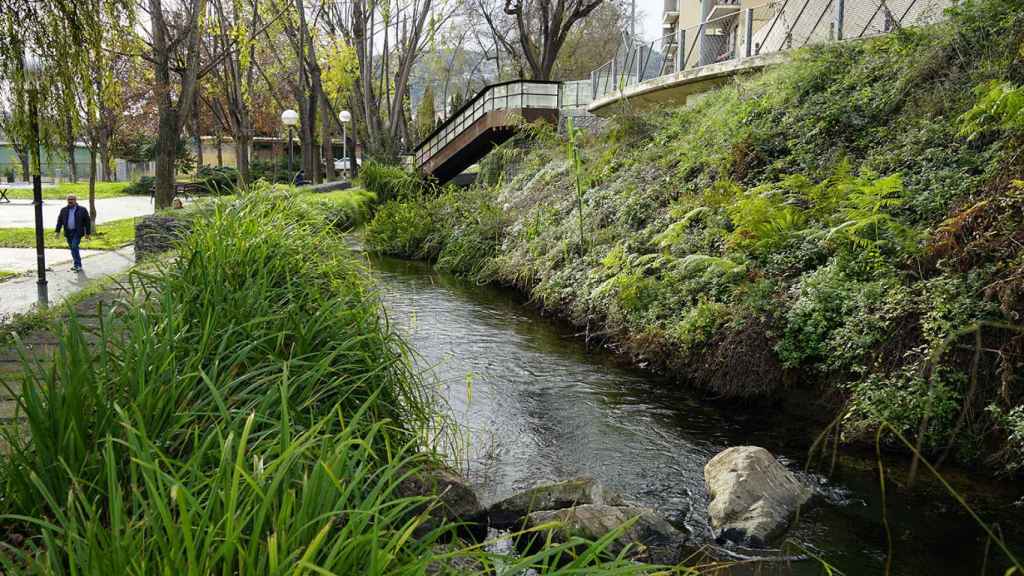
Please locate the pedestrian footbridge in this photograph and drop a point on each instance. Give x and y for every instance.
(493, 116)
(732, 38)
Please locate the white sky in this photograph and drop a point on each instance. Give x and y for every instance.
(648, 24)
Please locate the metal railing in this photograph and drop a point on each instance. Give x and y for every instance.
(514, 95)
(775, 26)
(576, 94)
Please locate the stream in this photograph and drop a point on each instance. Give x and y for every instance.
(537, 405)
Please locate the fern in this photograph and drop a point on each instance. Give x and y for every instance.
(1000, 105)
(764, 222)
(701, 263)
(674, 233)
(864, 219)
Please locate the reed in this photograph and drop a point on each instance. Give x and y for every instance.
(247, 410)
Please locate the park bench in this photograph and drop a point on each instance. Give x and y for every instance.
(184, 190)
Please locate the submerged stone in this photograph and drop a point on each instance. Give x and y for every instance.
(456, 501)
(650, 537)
(512, 510)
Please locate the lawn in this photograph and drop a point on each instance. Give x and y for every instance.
(80, 189)
(110, 236)
(7, 274)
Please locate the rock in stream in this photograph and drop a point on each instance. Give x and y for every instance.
(753, 497)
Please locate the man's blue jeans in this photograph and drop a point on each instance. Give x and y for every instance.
(74, 239)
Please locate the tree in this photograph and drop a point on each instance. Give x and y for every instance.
(426, 115)
(592, 42)
(174, 50)
(538, 29)
(55, 31)
(382, 90)
(237, 75)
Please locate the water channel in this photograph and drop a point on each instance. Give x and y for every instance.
(537, 404)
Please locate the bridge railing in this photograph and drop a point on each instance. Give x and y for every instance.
(513, 95)
(774, 26)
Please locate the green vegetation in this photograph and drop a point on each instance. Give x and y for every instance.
(109, 236)
(847, 222)
(251, 412)
(6, 274)
(344, 209)
(388, 181)
(80, 189)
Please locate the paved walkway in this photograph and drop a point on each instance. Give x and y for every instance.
(20, 214)
(20, 295)
(24, 259)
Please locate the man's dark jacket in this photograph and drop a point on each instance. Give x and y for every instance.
(83, 225)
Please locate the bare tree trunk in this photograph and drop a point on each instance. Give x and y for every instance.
(172, 113)
(220, 148)
(23, 159)
(325, 134)
(242, 156)
(168, 135)
(105, 134)
(196, 134)
(69, 148)
(105, 161)
(92, 185)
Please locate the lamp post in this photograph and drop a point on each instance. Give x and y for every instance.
(345, 116)
(290, 118)
(33, 68)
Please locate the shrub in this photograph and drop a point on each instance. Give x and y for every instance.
(400, 228)
(217, 180)
(141, 187)
(346, 209)
(390, 182)
(273, 171)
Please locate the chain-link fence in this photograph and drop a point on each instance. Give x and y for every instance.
(52, 172)
(734, 31)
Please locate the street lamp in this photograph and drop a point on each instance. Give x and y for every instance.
(33, 68)
(290, 118)
(345, 116)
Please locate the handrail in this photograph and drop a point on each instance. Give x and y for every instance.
(468, 103)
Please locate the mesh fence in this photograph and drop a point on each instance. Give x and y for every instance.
(736, 31)
(50, 171)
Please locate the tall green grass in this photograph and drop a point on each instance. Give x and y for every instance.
(390, 182)
(345, 209)
(247, 410)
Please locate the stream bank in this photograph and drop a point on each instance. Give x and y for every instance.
(538, 406)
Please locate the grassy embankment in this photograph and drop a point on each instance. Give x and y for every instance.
(249, 412)
(848, 223)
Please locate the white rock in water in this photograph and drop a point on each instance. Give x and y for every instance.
(753, 496)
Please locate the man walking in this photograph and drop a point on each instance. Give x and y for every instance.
(75, 221)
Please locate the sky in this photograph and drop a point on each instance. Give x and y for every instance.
(648, 21)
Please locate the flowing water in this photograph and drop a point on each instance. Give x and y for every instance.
(538, 405)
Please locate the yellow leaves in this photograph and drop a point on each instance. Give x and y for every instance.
(339, 69)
